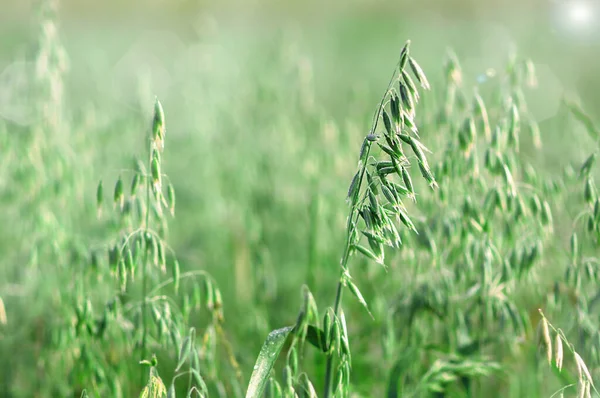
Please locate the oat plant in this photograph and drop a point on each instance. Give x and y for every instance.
(554, 341)
(377, 197)
(482, 239)
(154, 300)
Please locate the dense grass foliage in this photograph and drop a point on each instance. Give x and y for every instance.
(266, 229)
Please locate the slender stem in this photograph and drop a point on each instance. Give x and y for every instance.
(329, 368)
(344, 264)
(351, 225)
(338, 295)
(190, 375)
(144, 304)
(145, 265)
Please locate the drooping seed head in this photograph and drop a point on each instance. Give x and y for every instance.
(158, 125)
(356, 292)
(395, 108)
(407, 100)
(481, 112)
(387, 123)
(546, 340)
(176, 271)
(135, 182)
(427, 174)
(589, 191)
(171, 198)
(406, 79)
(354, 186)
(574, 247)
(530, 74)
(408, 182)
(586, 167)
(156, 175)
(404, 55)
(558, 357)
(419, 74)
(3, 318)
(99, 196)
(119, 196)
(534, 131)
(514, 127)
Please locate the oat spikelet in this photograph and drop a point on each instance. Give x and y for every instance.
(558, 355)
(3, 319)
(547, 340)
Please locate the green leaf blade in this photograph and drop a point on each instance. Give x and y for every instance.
(266, 360)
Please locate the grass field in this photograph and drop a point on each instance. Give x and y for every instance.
(176, 183)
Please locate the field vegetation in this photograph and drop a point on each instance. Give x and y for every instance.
(337, 206)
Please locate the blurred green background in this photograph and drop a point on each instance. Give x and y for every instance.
(266, 105)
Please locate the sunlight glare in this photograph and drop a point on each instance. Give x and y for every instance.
(580, 12)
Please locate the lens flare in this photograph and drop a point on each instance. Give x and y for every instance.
(580, 12)
(577, 18)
